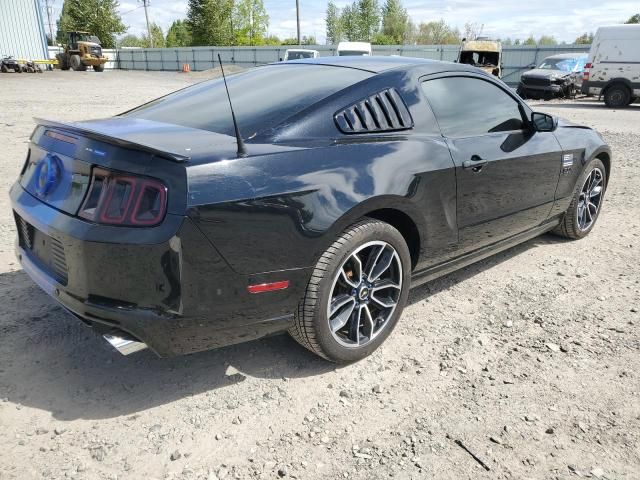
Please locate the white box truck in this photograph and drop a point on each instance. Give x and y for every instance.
(613, 68)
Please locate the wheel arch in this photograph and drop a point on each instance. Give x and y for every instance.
(604, 155)
(405, 225)
(614, 81)
(397, 212)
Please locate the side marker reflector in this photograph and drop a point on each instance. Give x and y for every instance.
(268, 287)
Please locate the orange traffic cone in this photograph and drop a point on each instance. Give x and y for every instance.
(186, 68)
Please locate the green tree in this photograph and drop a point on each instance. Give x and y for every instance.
(382, 39)
(368, 19)
(131, 41)
(211, 22)
(634, 18)
(250, 22)
(437, 33)
(332, 20)
(584, 39)
(179, 34)
(395, 23)
(349, 23)
(98, 17)
(156, 34)
(530, 41)
(547, 40)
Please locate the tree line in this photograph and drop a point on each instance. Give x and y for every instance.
(389, 24)
(246, 22)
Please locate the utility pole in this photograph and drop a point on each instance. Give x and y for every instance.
(146, 14)
(49, 9)
(298, 20)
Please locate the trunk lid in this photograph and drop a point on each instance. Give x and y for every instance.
(61, 156)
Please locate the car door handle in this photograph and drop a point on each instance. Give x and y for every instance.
(476, 163)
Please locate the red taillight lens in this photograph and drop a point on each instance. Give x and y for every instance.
(122, 199)
(585, 73)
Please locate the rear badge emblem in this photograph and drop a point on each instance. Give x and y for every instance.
(48, 175)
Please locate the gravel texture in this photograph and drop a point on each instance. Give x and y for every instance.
(529, 359)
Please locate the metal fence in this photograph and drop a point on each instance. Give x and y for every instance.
(515, 58)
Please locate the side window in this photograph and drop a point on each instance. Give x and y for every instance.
(466, 106)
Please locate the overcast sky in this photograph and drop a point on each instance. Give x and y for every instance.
(564, 19)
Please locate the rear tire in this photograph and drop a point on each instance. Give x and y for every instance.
(582, 214)
(617, 96)
(340, 291)
(98, 68)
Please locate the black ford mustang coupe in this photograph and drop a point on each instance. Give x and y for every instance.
(358, 177)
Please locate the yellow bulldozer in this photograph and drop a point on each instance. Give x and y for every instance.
(82, 50)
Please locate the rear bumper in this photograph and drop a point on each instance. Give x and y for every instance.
(167, 286)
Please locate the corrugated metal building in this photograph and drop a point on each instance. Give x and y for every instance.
(22, 33)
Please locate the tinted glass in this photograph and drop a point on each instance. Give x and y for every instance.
(299, 55)
(262, 98)
(351, 53)
(469, 106)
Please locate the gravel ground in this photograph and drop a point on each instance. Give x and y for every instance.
(530, 358)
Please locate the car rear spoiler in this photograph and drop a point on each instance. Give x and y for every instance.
(86, 132)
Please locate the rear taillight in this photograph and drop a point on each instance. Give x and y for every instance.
(587, 70)
(122, 199)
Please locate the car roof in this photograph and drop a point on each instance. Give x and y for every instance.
(380, 64)
(569, 55)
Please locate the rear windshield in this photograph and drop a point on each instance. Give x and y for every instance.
(262, 98)
(299, 55)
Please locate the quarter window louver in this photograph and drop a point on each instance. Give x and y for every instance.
(384, 111)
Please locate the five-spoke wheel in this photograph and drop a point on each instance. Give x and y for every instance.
(356, 293)
(590, 199)
(586, 204)
(364, 294)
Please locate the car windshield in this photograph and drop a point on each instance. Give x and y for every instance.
(299, 55)
(84, 37)
(564, 64)
(262, 98)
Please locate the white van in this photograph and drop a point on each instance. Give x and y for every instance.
(613, 67)
(353, 49)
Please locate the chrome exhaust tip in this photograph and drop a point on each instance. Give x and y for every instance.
(123, 342)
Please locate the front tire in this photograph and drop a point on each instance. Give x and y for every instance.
(356, 293)
(98, 68)
(76, 64)
(585, 207)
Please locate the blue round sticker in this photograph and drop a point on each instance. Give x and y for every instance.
(48, 174)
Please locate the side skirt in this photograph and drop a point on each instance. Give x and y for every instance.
(431, 273)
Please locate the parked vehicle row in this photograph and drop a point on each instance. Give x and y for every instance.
(10, 64)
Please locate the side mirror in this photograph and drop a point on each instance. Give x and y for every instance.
(543, 122)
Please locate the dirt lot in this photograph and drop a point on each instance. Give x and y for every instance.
(530, 358)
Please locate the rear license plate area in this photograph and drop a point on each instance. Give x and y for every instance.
(46, 251)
